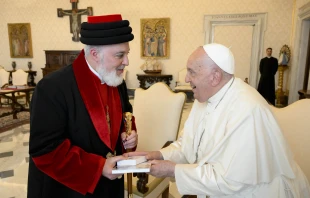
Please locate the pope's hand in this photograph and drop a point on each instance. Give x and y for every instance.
(162, 168)
(130, 141)
(110, 163)
(154, 155)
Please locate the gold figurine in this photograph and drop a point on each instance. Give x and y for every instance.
(128, 123)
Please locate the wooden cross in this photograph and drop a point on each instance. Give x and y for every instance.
(75, 18)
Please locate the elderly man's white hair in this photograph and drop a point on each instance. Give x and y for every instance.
(87, 48)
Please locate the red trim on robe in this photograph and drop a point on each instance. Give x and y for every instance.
(111, 99)
(96, 179)
(91, 92)
(72, 166)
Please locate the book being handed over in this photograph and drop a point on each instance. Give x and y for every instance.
(130, 161)
(134, 164)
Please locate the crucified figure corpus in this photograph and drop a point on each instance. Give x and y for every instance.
(74, 18)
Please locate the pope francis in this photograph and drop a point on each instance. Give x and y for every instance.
(232, 146)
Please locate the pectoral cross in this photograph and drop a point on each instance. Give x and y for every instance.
(75, 18)
(108, 119)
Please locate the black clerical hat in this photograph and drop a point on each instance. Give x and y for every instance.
(105, 30)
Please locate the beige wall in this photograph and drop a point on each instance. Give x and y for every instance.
(52, 33)
(239, 39)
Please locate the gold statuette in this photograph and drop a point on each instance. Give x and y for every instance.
(128, 123)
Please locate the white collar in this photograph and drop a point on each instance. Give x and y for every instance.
(94, 71)
(216, 98)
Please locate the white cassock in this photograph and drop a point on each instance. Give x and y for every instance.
(232, 147)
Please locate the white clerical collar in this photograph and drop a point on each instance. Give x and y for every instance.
(215, 99)
(94, 71)
(268, 56)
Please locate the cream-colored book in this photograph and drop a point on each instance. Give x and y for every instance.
(132, 161)
(140, 168)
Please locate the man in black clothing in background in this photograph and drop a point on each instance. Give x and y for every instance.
(268, 67)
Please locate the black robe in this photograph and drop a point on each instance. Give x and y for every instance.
(60, 122)
(268, 67)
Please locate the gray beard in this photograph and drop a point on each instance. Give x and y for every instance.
(110, 78)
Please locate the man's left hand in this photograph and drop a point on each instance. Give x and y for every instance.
(130, 141)
(162, 168)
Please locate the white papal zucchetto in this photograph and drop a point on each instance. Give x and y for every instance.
(222, 56)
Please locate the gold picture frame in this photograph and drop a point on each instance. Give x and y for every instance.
(155, 37)
(20, 40)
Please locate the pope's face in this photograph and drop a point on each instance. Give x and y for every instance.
(114, 58)
(199, 75)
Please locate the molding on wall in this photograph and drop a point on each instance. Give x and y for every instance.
(304, 11)
(259, 23)
(300, 50)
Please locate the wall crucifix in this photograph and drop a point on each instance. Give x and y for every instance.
(75, 18)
